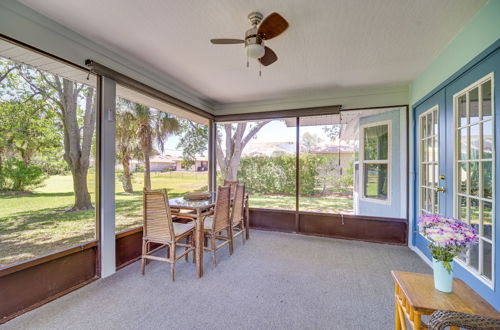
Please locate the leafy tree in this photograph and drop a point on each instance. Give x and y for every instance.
(235, 141)
(29, 128)
(309, 141)
(193, 141)
(77, 122)
(19, 176)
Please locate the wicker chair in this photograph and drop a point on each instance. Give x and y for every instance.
(237, 218)
(441, 319)
(218, 221)
(159, 228)
(232, 185)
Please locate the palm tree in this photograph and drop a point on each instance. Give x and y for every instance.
(127, 145)
(153, 126)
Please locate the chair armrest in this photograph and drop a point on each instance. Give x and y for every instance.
(441, 319)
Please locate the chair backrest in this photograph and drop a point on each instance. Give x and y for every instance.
(157, 216)
(222, 207)
(238, 204)
(231, 184)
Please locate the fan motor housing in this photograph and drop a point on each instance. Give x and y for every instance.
(252, 38)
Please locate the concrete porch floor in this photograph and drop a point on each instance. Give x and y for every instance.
(274, 281)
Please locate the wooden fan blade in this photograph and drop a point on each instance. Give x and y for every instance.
(226, 41)
(272, 26)
(269, 57)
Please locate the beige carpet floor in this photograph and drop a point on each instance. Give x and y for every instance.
(275, 281)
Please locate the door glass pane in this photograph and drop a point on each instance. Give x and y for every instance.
(429, 124)
(436, 122)
(487, 220)
(474, 213)
(474, 106)
(423, 126)
(375, 181)
(424, 176)
(487, 180)
(487, 258)
(462, 178)
(462, 110)
(462, 144)
(474, 178)
(376, 142)
(475, 142)
(436, 150)
(463, 209)
(486, 96)
(474, 257)
(488, 139)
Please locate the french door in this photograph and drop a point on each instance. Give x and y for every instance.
(455, 161)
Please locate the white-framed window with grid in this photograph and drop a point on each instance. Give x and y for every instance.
(375, 159)
(474, 193)
(428, 139)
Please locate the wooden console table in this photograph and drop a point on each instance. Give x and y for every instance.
(415, 296)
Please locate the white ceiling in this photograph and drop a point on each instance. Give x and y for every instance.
(331, 45)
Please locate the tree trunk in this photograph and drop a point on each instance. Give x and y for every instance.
(82, 195)
(147, 171)
(127, 178)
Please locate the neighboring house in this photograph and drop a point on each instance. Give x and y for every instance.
(162, 163)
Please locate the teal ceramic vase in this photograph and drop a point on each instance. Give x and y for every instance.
(443, 280)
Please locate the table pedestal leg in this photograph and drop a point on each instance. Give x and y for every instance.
(199, 244)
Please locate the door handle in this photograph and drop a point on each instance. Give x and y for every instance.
(440, 189)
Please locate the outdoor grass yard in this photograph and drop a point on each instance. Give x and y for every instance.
(36, 224)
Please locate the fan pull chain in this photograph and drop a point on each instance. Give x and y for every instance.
(248, 63)
(260, 69)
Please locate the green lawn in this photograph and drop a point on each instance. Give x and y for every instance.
(35, 224)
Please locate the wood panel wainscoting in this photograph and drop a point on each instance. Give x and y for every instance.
(355, 227)
(28, 285)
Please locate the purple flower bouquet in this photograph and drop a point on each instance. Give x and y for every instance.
(448, 237)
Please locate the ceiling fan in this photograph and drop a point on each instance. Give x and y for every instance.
(271, 27)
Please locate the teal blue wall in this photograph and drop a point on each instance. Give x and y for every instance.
(482, 31)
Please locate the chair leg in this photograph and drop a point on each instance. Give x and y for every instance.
(193, 245)
(243, 232)
(172, 261)
(212, 238)
(143, 260)
(187, 243)
(231, 240)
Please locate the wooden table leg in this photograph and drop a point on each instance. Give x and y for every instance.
(416, 321)
(199, 244)
(397, 325)
(247, 219)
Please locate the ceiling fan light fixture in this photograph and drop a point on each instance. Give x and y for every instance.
(255, 50)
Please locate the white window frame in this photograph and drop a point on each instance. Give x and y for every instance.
(362, 162)
(434, 162)
(456, 204)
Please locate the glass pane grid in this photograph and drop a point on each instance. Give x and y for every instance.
(428, 162)
(474, 167)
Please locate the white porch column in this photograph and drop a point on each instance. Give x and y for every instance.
(106, 176)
